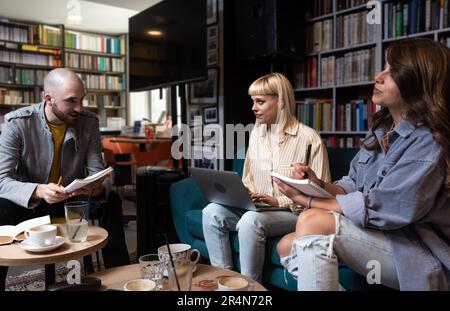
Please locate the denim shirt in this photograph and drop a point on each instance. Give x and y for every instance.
(401, 192)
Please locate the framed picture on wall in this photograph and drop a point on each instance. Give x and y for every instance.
(210, 114)
(195, 115)
(205, 92)
(211, 12)
(212, 45)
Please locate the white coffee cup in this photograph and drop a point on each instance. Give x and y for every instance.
(233, 283)
(139, 285)
(41, 235)
(181, 253)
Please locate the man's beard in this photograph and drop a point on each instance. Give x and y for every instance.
(65, 117)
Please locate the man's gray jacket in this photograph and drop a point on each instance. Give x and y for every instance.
(26, 153)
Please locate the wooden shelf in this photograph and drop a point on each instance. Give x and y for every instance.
(38, 45)
(19, 65)
(111, 73)
(104, 91)
(20, 86)
(88, 52)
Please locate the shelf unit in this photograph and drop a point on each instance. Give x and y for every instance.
(29, 50)
(318, 77)
(100, 60)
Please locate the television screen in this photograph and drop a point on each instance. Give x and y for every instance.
(167, 44)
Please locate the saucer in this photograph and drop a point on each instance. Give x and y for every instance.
(27, 245)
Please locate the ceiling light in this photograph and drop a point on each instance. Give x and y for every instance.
(154, 33)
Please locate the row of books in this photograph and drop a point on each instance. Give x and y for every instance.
(316, 113)
(30, 58)
(342, 142)
(91, 62)
(319, 36)
(347, 4)
(97, 43)
(318, 8)
(353, 67)
(13, 97)
(413, 16)
(354, 116)
(33, 34)
(98, 82)
(92, 100)
(30, 76)
(353, 29)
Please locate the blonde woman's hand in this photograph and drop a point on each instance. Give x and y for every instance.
(264, 198)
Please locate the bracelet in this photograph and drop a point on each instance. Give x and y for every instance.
(308, 203)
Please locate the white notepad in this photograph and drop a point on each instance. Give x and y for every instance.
(305, 186)
(80, 183)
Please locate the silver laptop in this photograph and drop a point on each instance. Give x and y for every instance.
(226, 188)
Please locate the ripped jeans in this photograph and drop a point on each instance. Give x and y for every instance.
(314, 258)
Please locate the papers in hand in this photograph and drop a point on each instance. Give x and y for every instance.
(80, 183)
(305, 186)
(13, 231)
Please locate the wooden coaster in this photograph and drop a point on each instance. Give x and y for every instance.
(6, 240)
(20, 237)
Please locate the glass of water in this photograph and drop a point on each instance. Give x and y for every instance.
(77, 220)
(152, 269)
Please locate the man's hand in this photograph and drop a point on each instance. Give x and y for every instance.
(50, 193)
(93, 189)
(264, 198)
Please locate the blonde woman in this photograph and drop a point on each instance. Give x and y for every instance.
(276, 141)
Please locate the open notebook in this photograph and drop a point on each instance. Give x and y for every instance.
(305, 186)
(13, 231)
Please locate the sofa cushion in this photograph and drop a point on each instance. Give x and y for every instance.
(194, 223)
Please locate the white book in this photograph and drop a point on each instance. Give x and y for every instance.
(13, 231)
(305, 186)
(80, 183)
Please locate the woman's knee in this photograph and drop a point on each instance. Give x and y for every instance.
(315, 221)
(285, 245)
(212, 212)
(250, 223)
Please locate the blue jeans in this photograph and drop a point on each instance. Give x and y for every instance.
(253, 229)
(314, 258)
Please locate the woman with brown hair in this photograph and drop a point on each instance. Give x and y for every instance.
(390, 218)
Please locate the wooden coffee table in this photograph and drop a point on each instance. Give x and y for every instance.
(115, 278)
(14, 255)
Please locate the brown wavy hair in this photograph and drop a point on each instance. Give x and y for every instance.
(421, 69)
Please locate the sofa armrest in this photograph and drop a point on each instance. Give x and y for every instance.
(185, 196)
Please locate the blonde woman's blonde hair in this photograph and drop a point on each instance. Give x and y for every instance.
(276, 84)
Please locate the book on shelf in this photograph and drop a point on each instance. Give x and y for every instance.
(353, 29)
(93, 42)
(316, 113)
(347, 4)
(342, 141)
(318, 8)
(409, 17)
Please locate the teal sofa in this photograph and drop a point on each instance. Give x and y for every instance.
(187, 202)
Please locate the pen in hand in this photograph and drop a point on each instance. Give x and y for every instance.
(308, 156)
(59, 181)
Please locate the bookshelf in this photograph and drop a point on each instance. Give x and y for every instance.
(343, 53)
(28, 51)
(100, 61)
